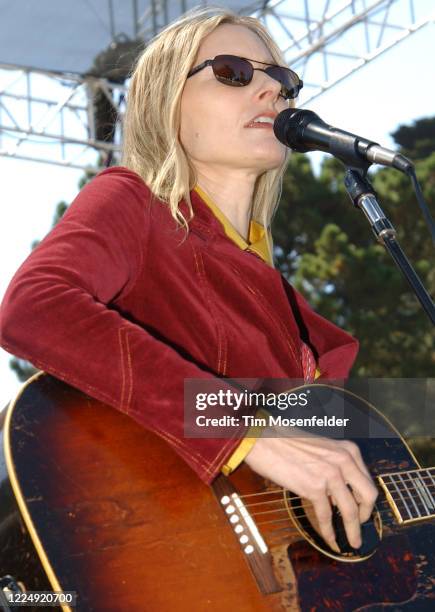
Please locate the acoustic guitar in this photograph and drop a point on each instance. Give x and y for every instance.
(94, 504)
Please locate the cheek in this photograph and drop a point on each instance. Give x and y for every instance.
(194, 119)
(193, 135)
(205, 129)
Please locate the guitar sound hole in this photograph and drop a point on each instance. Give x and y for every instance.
(369, 535)
(303, 516)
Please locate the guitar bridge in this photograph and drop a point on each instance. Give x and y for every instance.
(247, 534)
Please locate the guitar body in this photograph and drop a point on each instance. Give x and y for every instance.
(115, 515)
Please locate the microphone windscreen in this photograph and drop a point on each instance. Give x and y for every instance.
(281, 123)
(288, 127)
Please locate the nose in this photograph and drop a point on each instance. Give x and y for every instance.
(267, 86)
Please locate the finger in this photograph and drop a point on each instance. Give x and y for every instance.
(323, 512)
(366, 498)
(340, 452)
(363, 490)
(348, 507)
(360, 481)
(355, 452)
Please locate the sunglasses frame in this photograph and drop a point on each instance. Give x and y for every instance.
(209, 62)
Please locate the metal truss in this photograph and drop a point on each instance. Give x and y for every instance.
(58, 125)
(325, 41)
(54, 117)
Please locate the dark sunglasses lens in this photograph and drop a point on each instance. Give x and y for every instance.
(290, 83)
(232, 70)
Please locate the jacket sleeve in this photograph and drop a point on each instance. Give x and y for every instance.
(58, 314)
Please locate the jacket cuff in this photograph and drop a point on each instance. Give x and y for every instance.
(253, 433)
(241, 452)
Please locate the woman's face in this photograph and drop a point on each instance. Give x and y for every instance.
(214, 116)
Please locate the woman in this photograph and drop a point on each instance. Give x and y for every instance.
(161, 269)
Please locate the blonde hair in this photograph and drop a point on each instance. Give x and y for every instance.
(151, 145)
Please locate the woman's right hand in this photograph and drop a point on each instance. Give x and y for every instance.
(320, 470)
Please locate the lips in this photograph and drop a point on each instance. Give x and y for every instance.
(270, 114)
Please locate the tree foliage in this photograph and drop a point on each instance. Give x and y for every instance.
(417, 140)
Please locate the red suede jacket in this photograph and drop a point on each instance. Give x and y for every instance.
(115, 303)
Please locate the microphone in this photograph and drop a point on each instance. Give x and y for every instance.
(303, 130)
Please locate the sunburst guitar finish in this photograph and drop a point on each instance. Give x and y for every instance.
(93, 503)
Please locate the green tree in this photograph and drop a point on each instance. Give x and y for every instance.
(416, 141)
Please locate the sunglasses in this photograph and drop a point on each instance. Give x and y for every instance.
(238, 72)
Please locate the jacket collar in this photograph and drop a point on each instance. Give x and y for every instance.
(207, 213)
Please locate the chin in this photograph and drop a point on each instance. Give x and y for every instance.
(272, 164)
(269, 160)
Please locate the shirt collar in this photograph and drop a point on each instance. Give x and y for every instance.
(257, 234)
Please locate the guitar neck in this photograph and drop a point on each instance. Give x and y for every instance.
(411, 494)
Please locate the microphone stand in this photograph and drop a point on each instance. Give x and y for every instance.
(363, 196)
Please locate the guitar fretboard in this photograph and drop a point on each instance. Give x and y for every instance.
(411, 495)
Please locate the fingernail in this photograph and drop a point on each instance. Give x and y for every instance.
(333, 544)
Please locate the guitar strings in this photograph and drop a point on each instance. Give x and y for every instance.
(386, 513)
(381, 502)
(284, 508)
(292, 530)
(396, 484)
(382, 506)
(279, 500)
(412, 478)
(280, 492)
(429, 485)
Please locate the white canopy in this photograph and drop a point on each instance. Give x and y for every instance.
(66, 35)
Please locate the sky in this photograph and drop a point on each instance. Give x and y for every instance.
(396, 88)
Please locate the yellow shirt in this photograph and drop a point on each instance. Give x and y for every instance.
(257, 243)
(257, 234)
